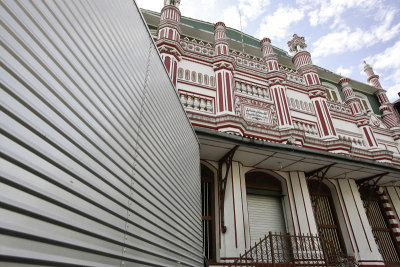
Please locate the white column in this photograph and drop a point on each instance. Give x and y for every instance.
(234, 240)
(300, 205)
(354, 224)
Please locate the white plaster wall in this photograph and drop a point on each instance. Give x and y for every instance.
(297, 95)
(249, 79)
(301, 205)
(197, 67)
(196, 89)
(232, 242)
(301, 115)
(345, 125)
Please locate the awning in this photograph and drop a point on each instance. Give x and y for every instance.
(281, 157)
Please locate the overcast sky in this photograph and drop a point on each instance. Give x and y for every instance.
(340, 34)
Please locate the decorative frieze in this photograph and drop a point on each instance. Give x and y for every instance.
(198, 47)
(301, 105)
(339, 107)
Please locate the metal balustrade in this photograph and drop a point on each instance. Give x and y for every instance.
(277, 249)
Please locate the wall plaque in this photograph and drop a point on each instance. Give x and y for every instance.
(259, 115)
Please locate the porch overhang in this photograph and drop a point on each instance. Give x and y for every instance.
(282, 157)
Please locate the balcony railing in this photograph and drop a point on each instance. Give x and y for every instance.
(289, 250)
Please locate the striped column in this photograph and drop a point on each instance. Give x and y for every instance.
(325, 123)
(225, 89)
(223, 71)
(278, 93)
(366, 131)
(171, 64)
(389, 212)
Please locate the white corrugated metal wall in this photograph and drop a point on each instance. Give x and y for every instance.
(99, 165)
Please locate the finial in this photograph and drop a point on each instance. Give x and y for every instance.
(366, 65)
(172, 3)
(297, 44)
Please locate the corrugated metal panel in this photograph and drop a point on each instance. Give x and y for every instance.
(265, 215)
(99, 165)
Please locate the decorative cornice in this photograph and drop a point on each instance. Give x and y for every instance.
(223, 65)
(170, 50)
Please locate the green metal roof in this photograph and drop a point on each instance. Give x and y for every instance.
(230, 33)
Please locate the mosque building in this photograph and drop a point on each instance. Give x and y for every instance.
(287, 148)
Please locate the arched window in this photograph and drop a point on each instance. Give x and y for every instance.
(363, 100)
(264, 203)
(332, 92)
(327, 221)
(207, 212)
(187, 74)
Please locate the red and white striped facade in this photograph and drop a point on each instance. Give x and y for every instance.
(259, 95)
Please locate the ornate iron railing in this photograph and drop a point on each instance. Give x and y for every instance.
(290, 250)
(284, 250)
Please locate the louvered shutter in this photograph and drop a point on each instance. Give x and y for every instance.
(265, 214)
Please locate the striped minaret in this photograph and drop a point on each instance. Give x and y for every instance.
(277, 84)
(169, 34)
(221, 44)
(223, 71)
(389, 116)
(270, 57)
(302, 62)
(350, 97)
(361, 118)
(169, 21)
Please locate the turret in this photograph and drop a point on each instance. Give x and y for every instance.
(361, 118)
(302, 62)
(389, 116)
(223, 71)
(169, 35)
(169, 21)
(350, 97)
(277, 84)
(269, 55)
(220, 41)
